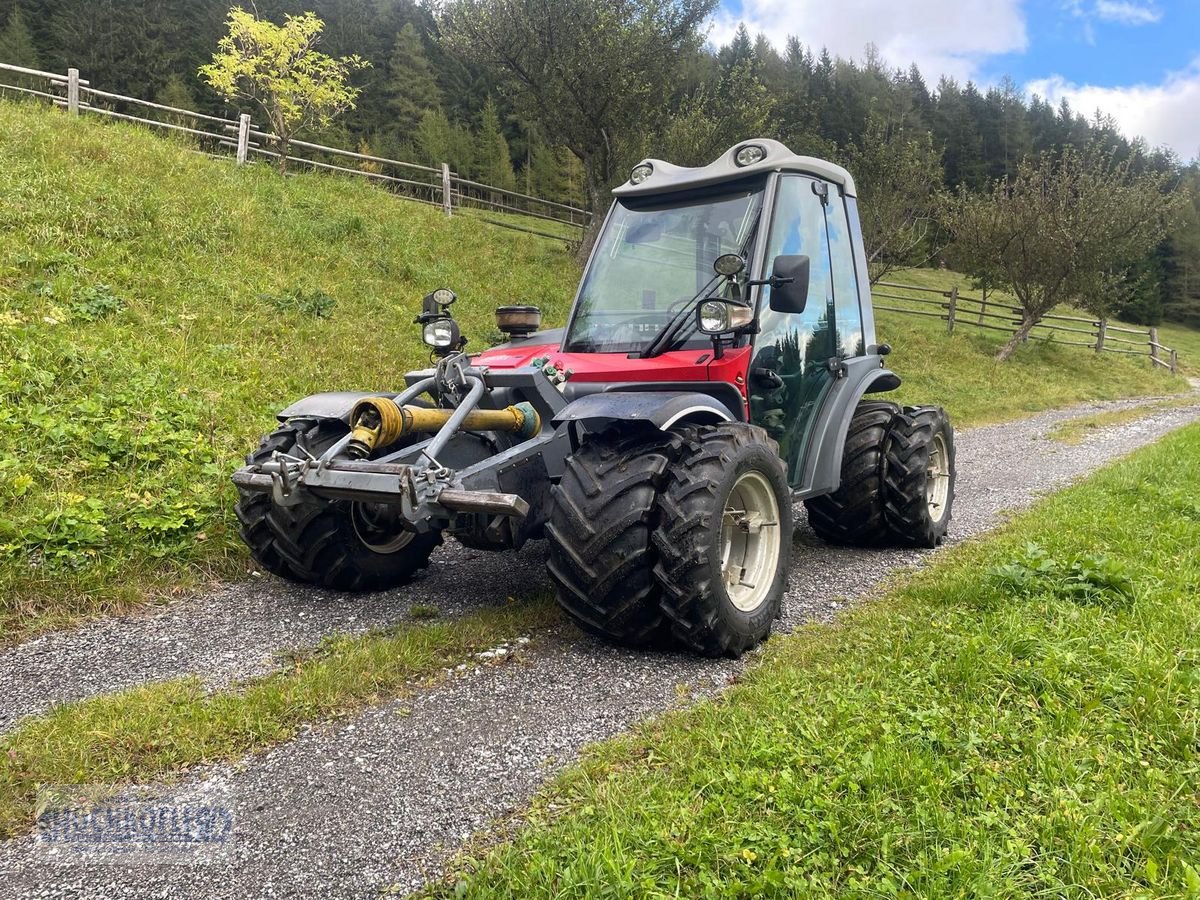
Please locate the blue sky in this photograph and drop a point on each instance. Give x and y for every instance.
(1138, 60)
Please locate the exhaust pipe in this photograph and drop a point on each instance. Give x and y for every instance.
(378, 422)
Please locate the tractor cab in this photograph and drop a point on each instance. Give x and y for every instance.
(745, 279)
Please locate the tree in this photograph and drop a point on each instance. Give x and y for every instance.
(16, 42)
(1064, 228)
(493, 164)
(899, 178)
(596, 74)
(412, 81)
(439, 141)
(279, 68)
(711, 121)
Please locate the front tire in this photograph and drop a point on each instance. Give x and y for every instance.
(339, 544)
(599, 535)
(724, 539)
(920, 476)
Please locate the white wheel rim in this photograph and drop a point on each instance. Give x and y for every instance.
(750, 541)
(367, 525)
(937, 479)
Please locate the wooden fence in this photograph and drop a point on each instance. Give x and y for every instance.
(957, 309)
(241, 139)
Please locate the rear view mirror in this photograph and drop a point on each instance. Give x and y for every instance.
(789, 284)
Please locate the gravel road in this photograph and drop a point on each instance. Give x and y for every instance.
(381, 801)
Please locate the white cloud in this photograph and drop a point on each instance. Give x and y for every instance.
(1164, 114)
(1126, 13)
(943, 37)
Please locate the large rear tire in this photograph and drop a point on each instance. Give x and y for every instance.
(724, 538)
(920, 475)
(341, 545)
(599, 535)
(853, 515)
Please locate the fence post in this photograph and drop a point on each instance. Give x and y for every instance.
(1101, 333)
(73, 91)
(243, 147)
(1153, 345)
(1174, 362)
(447, 205)
(952, 309)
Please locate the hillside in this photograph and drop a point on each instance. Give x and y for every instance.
(156, 308)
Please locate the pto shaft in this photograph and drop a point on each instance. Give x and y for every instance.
(378, 422)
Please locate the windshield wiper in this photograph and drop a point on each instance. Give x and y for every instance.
(666, 335)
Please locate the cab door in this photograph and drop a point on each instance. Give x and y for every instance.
(796, 355)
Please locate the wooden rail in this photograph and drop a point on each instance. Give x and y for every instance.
(955, 310)
(216, 137)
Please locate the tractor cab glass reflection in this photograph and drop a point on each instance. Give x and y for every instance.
(654, 258)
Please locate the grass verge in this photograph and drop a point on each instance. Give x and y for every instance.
(1020, 719)
(161, 729)
(1075, 431)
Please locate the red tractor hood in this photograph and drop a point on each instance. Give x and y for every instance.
(678, 365)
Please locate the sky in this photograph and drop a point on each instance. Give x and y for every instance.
(1137, 60)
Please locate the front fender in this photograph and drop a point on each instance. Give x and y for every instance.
(332, 405)
(661, 409)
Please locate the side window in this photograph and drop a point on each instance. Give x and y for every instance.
(848, 312)
(788, 371)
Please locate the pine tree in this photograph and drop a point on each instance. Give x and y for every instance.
(738, 51)
(16, 42)
(412, 83)
(493, 164)
(176, 93)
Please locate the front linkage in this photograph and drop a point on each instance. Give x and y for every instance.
(427, 494)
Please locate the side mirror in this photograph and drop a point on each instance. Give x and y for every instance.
(789, 283)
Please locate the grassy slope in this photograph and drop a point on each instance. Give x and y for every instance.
(959, 371)
(958, 738)
(117, 435)
(119, 427)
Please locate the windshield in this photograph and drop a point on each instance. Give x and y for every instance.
(653, 259)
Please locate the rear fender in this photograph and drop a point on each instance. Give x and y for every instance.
(661, 410)
(823, 463)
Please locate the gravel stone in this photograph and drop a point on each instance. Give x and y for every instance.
(382, 801)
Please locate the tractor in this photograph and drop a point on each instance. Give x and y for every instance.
(719, 364)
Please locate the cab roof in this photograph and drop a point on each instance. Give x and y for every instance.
(666, 177)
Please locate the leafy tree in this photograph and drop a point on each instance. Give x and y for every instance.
(1064, 229)
(280, 69)
(899, 177)
(412, 82)
(596, 74)
(16, 43)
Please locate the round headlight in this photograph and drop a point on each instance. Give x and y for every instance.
(444, 296)
(640, 173)
(714, 316)
(440, 333)
(749, 155)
